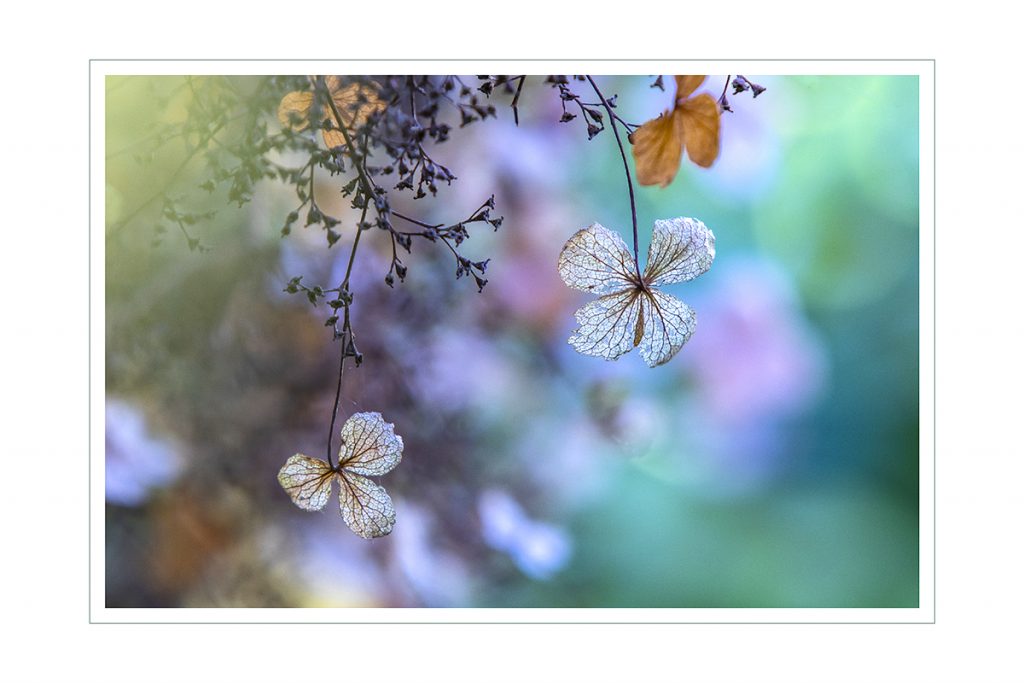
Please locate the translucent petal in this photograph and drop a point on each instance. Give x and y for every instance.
(658, 149)
(669, 324)
(355, 102)
(681, 249)
(307, 480)
(369, 445)
(608, 325)
(700, 122)
(596, 260)
(365, 506)
(686, 85)
(295, 107)
(333, 138)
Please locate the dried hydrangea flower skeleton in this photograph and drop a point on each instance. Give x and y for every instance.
(631, 311)
(369, 448)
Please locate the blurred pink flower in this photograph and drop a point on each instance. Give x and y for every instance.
(754, 356)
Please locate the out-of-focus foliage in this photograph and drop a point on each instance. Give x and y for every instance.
(772, 462)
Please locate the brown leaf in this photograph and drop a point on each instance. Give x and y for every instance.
(658, 149)
(699, 119)
(686, 85)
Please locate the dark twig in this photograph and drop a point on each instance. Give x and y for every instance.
(722, 101)
(629, 179)
(515, 99)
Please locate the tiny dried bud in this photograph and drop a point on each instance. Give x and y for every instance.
(480, 282)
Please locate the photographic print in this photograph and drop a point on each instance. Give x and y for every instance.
(491, 342)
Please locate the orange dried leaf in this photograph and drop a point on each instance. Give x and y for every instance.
(293, 111)
(699, 119)
(686, 85)
(355, 104)
(658, 149)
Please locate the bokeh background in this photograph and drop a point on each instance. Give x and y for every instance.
(772, 463)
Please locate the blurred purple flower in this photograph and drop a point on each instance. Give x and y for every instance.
(436, 577)
(136, 461)
(460, 368)
(538, 549)
(754, 355)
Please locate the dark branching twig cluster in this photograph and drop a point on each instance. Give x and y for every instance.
(739, 84)
(395, 133)
(376, 135)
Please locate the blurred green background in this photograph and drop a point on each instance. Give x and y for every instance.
(772, 463)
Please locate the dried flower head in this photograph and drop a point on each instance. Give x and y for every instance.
(369, 447)
(355, 102)
(691, 124)
(631, 311)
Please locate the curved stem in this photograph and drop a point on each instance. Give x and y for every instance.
(337, 401)
(346, 338)
(629, 179)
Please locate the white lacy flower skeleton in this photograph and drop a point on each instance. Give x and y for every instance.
(631, 311)
(369, 448)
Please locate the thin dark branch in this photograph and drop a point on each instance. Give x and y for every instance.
(416, 222)
(629, 179)
(347, 338)
(337, 401)
(515, 99)
(368, 186)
